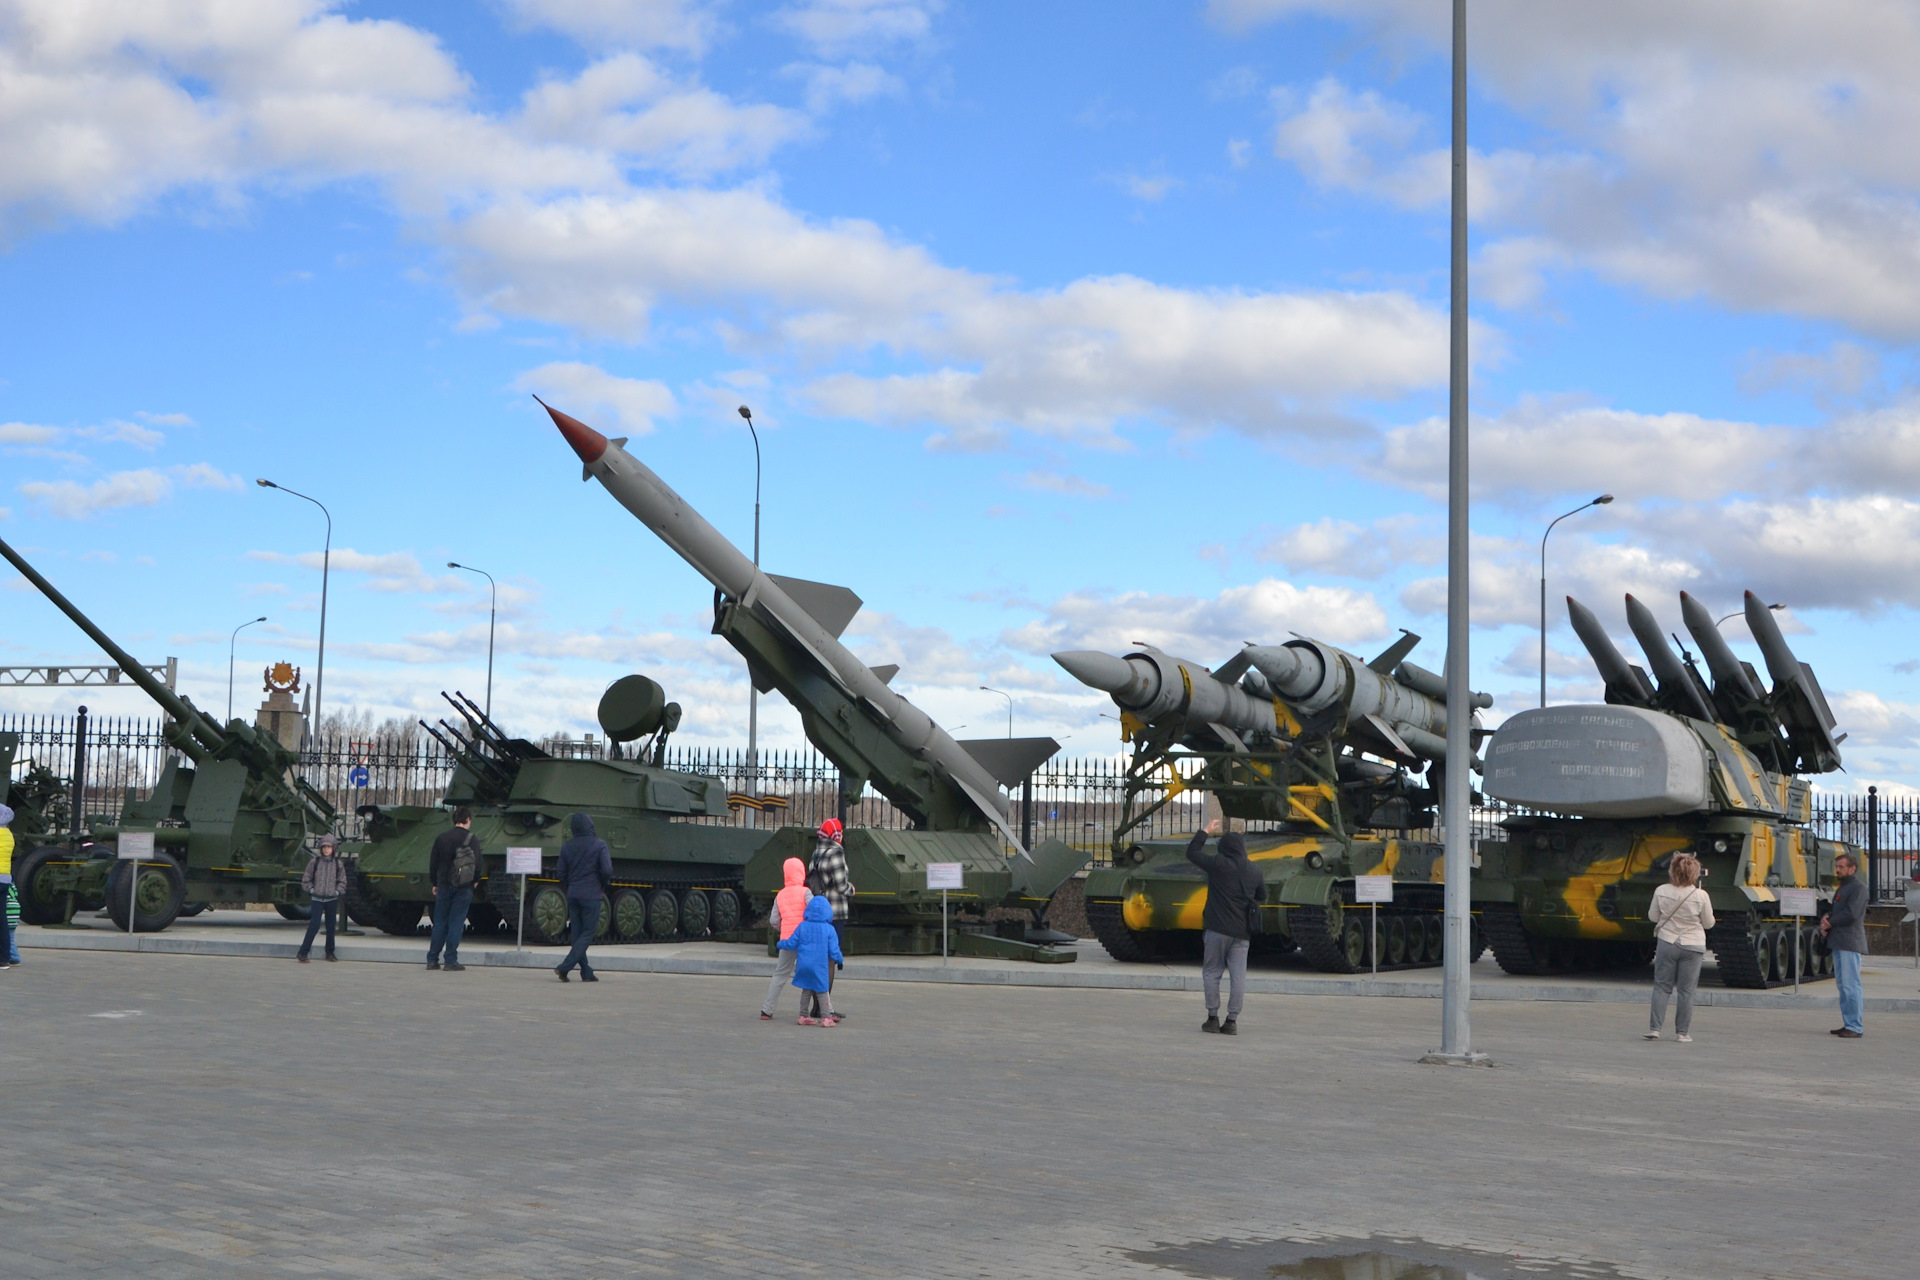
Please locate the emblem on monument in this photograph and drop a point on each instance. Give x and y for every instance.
(283, 677)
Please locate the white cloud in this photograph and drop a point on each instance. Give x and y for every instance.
(585, 390)
(27, 433)
(396, 572)
(1841, 372)
(1150, 190)
(1069, 486)
(144, 488)
(1205, 629)
(1341, 548)
(635, 24)
(832, 27)
(828, 87)
(124, 433)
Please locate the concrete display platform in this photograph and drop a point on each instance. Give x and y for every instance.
(201, 1118)
(1892, 985)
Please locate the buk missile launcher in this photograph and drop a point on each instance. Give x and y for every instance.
(675, 877)
(229, 825)
(1667, 765)
(1325, 753)
(788, 630)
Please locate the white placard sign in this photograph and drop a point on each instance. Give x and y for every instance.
(944, 875)
(134, 845)
(1799, 902)
(523, 862)
(1373, 889)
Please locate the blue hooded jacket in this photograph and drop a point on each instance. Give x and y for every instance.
(817, 946)
(586, 865)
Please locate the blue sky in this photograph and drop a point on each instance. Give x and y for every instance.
(1066, 325)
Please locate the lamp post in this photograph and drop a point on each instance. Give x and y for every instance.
(493, 608)
(326, 564)
(1009, 697)
(753, 693)
(1737, 612)
(231, 641)
(1600, 501)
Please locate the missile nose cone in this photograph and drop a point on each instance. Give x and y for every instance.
(586, 442)
(1096, 670)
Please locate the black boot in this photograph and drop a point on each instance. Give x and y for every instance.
(1211, 1024)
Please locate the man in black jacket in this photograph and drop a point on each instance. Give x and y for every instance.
(1845, 928)
(450, 899)
(1235, 890)
(586, 875)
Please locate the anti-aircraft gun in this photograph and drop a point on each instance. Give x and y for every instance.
(1325, 752)
(675, 877)
(788, 630)
(1668, 765)
(229, 825)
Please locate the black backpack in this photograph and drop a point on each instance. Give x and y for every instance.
(465, 867)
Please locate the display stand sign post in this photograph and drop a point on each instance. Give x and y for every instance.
(944, 876)
(1373, 890)
(131, 847)
(1798, 902)
(1913, 914)
(522, 863)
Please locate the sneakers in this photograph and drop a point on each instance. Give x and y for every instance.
(559, 973)
(331, 956)
(589, 977)
(454, 966)
(1845, 1034)
(433, 964)
(1650, 1035)
(765, 1016)
(1230, 1028)
(805, 1021)
(1684, 1039)
(1212, 1024)
(829, 1021)
(303, 960)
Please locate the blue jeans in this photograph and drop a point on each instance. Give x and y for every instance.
(584, 913)
(9, 903)
(322, 908)
(1846, 976)
(449, 922)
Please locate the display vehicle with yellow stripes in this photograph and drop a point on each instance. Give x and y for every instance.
(1605, 795)
(1328, 760)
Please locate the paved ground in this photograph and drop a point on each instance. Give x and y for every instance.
(189, 1116)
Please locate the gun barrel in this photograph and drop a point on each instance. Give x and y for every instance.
(202, 730)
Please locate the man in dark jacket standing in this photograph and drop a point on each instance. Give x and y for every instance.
(452, 887)
(1235, 889)
(585, 874)
(1845, 927)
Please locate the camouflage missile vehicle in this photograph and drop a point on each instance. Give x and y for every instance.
(1324, 753)
(674, 876)
(229, 824)
(1611, 792)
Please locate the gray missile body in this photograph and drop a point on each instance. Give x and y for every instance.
(1728, 671)
(1394, 712)
(1797, 697)
(717, 560)
(1152, 684)
(1677, 684)
(1626, 684)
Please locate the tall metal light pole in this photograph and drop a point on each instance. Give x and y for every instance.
(1456, 1037)
(1738, 612)
(753, 693)
(492, 609)
(326, 565)
(1009, 697)
(1600, 501)
(231, 641)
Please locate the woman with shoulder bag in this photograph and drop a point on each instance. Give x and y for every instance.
(1681, 914)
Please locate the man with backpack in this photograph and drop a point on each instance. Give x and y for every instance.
(454, 869)
(1235, 890)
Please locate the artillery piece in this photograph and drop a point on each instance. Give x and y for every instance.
(1326, 750)
(229, 825)
(1667, 765)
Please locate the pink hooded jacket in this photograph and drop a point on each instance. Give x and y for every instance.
(790, 904)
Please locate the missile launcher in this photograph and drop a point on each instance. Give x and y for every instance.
(1669, 764)
(1324, 754)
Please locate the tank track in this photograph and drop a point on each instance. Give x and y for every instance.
(1327, 953)
(1513, 950)
(1130, 946)
(1731, 941)
(503, 892)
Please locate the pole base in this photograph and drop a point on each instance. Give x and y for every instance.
(1439, 1059)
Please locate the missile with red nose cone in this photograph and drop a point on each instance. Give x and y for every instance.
(717, 560)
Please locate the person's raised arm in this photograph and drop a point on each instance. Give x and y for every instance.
(1196, 847)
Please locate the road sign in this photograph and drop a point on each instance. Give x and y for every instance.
(945, 875)
(1373, 888)
(358, 776)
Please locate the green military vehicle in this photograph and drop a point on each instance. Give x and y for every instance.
(229, 825)
(1607, 794)
(1318, 746)
(676, 871)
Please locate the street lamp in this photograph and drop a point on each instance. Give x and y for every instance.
(1009, 697)
(492, 609)
(326, 564)
(1600, 501)
(1737, 612)
(753, 693)
(231, 641)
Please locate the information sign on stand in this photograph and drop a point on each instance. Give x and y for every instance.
(133, 846)
(944, 876)
(1798, 902)
(1373, 890)
(522, 862)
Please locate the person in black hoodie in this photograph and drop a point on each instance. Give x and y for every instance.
(1235, 890)
(586, 874)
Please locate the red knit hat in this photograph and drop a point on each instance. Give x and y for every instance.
(831, 830)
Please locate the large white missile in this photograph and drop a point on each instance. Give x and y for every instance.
(702, 546)
(1398, 712)
(1151, 684)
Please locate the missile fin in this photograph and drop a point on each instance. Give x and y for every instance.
(830, 606)
(1233, 668)
(1391, 656)
(1386, 734)
(993, 815)
(886, 672)
(1011, 761)
(1229, 737)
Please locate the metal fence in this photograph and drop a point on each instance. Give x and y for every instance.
(1075, 798)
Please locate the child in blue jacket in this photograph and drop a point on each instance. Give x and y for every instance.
(817, 949)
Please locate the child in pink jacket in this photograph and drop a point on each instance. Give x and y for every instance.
(789, 909)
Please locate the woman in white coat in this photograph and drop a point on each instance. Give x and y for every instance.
(1681, 913)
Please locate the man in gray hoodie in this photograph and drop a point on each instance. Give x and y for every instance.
(1845, 927)
(1235, 889)
(586, 875)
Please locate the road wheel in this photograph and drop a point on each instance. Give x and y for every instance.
(726, 911)
(40, 902)
(603, 926)
(1396, 930)
(157, 886)
(546, 914)
(1353, 940)
(663, 914)
(696, 913)
(294, 911)
(629, 915)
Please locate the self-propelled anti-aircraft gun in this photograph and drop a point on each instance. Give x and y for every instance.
(1323, 753)
(229, 825)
